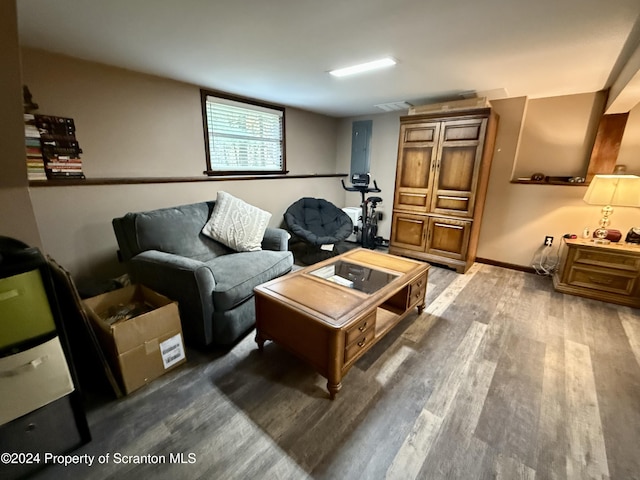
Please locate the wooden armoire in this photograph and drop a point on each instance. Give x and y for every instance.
(442, 173)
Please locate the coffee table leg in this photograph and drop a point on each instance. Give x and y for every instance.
(333, 388)
(260, 341)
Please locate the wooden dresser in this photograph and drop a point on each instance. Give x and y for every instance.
(442, 173)
(610, 273)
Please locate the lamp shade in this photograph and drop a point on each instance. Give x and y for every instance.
(614, 190)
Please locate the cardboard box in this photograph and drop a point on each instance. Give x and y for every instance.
(141, 348)
(452, 106)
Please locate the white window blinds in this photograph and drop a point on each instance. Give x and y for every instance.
(243, 137)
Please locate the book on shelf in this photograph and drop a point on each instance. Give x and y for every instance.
(58, 147)
(62, 138)
(64, 175)
(54, 122)
(33, 149)
(33, 152)
(30, 131)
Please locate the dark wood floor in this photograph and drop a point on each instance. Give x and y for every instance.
(501, 377)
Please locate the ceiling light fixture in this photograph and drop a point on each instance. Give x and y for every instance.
(363, 67)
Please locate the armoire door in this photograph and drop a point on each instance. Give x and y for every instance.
(416, 158)
(409, 231)
(448, 237)
(458, 164)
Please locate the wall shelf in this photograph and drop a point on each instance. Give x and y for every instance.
(551, 182)
(149, 180)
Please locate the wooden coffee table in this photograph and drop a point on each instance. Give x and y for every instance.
(333, 312)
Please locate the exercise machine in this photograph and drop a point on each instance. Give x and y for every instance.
(368, 234)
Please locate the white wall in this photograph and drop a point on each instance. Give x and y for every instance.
(135, 125)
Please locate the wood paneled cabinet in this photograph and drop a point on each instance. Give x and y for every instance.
(610, 273)
(441, 179)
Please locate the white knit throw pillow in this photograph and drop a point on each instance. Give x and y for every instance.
(237, 224)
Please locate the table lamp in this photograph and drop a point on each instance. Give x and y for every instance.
(612, 191)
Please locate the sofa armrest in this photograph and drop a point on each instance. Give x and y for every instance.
(187, 281)
(275, 239)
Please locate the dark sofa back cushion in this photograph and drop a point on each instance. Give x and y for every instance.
(171, 230)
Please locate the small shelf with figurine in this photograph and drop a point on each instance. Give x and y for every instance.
(542, 179)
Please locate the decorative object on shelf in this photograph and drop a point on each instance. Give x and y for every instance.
(633, 236)
(27, 100)
(612, 191)
(612, 235)
(538, 177)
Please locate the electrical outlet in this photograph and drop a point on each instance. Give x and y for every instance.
(548, 240)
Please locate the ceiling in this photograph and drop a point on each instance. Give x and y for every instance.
(281, 50)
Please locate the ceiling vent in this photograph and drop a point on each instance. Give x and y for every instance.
(394, 106)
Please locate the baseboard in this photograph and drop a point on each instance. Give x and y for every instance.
(511, 266)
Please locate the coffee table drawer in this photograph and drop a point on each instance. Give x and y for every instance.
(417, 290)
(359, 329)
(361, 343)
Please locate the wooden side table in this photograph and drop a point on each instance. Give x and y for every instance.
(610, 273)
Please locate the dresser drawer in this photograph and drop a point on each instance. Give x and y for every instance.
(34, 378)
(608, 280)
(360, 344)
(24, 309)
(53, 429)
(607, 259)
(363, 326)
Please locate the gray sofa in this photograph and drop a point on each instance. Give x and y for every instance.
(165, 250)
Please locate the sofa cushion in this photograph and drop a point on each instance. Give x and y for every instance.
(176, 230)
(237, 274)
(236, 224)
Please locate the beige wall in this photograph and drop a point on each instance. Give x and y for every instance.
(630, 147)
(384, 152)
(135, 125)
(17, 219)
(517, 217)
(558, 135)
(125, 130)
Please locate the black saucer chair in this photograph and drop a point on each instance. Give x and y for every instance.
(314, 223)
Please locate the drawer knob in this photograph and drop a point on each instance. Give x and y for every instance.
(363, 327)
(362, 342)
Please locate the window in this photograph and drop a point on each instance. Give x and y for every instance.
(242, 136)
